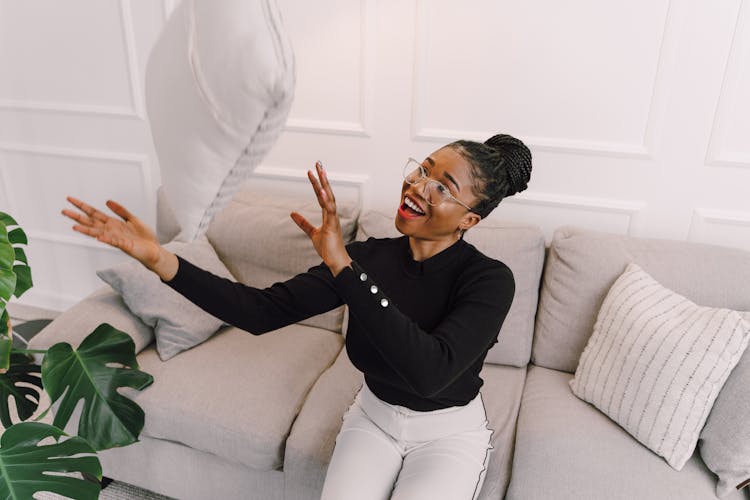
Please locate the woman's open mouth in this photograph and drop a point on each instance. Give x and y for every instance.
(410, 209)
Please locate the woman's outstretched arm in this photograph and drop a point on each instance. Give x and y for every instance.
(251, 309)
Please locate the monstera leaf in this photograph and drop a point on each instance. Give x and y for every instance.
(25, 464)
(22, 369)
(108, 419)
(6, 341)
(8, 281)
(14, 279)
(7, 257)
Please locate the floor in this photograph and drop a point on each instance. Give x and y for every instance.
(27, 321)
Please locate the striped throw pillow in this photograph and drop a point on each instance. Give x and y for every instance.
(656, 362)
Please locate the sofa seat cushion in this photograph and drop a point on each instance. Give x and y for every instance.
(567, 448)
(501, 393)
(312, 439)
(178, 471)
(313, 435)
(238, 394)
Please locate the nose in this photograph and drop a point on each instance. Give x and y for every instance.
(422, 189)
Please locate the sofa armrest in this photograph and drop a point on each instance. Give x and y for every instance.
(311, 440)
(104, 305)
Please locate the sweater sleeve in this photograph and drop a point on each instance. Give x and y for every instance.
(429, 362)
(253, 309)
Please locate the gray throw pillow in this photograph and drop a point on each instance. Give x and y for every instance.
(178, 323)
(725, 440)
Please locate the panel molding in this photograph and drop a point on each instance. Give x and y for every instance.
(53, 300)
(293, 174)
(540, 143)
(419, 132)
(613, 206)
(703, 219)
(136, 109)
(78, 241)
(355, 183)
(137, 160)
(6, 190)
(739, 50)
(128, 34)
(326, 127)
(716, 216)
(363, 126)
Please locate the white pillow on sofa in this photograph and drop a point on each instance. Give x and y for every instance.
(219, 85)
(656, 362)
(178, 323)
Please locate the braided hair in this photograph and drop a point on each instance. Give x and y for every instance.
(500, 167)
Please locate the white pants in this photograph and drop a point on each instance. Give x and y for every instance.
(389, 451)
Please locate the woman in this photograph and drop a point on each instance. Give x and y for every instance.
(424, 310)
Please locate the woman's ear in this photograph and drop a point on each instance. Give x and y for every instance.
(469, 220)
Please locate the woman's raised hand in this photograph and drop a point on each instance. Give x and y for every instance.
(327, 239)
(130, 234)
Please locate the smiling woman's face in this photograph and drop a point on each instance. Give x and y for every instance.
(443, 221)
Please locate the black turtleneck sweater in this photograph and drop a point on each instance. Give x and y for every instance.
(418, 330)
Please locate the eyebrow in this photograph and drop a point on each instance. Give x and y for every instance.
(445, 174)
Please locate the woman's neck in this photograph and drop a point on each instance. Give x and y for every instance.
(424, 249)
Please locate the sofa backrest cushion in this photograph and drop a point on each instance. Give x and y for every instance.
(583, 264)
(521, 248)
(725, 439)
(260, 244)
(167, 225)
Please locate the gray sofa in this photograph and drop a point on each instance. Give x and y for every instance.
(245, 416)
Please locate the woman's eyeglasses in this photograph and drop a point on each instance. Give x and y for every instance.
(435, 191)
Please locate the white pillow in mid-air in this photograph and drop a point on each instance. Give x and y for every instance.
(219, 85)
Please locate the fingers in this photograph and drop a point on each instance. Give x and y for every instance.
(319, 193)
(324, 182)
(322, 189)
(99, 234)
(76, 217)
(89, 230)
(119, 210)
(93, 213)
(303, 223)
(88, 224)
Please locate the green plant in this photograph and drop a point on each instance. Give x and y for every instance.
(108, 419)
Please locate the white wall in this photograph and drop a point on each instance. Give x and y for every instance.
(637, 113)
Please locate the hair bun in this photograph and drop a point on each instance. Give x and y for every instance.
(517, 158)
